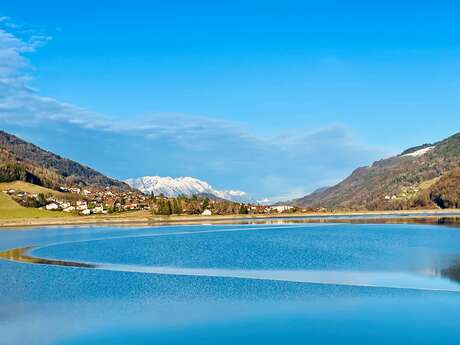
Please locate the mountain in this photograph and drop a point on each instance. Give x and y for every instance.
(21, 160)
(420, 177)
(319, 190)
(172, 187)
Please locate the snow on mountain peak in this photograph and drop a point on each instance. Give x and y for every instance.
(420, 152)
(172, 187)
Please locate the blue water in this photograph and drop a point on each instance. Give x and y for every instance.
(228, 284)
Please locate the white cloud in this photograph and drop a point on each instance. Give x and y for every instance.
(22, 105)
(223, 152)
(19, 103)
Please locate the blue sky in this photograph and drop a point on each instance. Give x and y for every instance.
(275, 98)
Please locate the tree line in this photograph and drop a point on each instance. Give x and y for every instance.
(194, 205)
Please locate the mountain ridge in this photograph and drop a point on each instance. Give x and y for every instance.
(186, 185)
(21, 160)
(408, 180)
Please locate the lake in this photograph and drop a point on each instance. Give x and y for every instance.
(267, 283)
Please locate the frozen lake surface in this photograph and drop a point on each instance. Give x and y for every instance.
(258, 284)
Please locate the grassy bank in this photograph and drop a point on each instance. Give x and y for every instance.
(31, 188)
(10, 210)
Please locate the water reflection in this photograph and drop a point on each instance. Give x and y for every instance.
(368, 219)
(452, 272)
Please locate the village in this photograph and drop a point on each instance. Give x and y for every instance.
(86, 201)
(82, 201)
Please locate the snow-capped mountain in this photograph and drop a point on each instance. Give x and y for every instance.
(172, 187)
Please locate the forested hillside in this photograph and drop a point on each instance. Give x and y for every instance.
(20, 160)
(426, 176)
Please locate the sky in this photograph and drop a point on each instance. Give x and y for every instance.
(275, 98)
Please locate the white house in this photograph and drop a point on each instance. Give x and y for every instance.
(82, 205)
(65, 205)
(282, 208)
(52, 206)
(98, 209)
(207, 213)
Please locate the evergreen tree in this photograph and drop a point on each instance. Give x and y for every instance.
(168, 209)
(41, 200)
(165, 207)
(175, 207)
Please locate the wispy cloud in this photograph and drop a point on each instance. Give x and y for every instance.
(222, 152)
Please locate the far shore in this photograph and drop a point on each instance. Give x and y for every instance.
(145, 219)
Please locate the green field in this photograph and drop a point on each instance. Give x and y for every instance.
(32, 188)
(9, 209)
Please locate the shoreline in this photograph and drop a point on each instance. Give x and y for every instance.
(142, 220)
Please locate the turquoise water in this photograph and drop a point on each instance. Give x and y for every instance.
(227, 284)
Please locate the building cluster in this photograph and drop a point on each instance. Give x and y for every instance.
(265, 209)
(83, 201)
